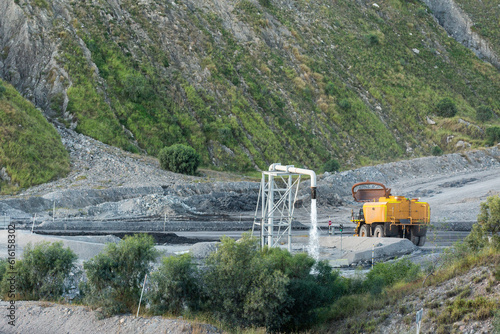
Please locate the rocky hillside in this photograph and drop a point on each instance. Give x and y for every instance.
(249, 82)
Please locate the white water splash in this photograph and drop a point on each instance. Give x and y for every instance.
(313, 248)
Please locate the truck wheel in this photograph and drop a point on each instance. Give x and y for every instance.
(364, 231)
(421, 241)
(414, 239)
(378, 232)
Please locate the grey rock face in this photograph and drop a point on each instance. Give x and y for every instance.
(29, 55)
(458, 25)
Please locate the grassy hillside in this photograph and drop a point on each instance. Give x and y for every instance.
(248, 83)
(30, 148)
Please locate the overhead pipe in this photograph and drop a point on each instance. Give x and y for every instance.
(293, 170)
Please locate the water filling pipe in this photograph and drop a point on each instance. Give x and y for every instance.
(293, 170)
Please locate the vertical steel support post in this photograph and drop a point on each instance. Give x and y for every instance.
(270, 211)
(290, 212)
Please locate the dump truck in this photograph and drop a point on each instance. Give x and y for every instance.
(384, 215)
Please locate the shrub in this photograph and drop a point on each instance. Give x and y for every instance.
(387, 274)
(174, 286)
(484, 113)
(488, 221)
(446, 108)
(115, 275)
(3, 268)
(436, 150)
(331, 165)
(179, 158)
(345, 104)
(330, 88)
(265, 3)
(41, 271)
(492, 135)
(372, 39)
(271, 288)
(2, 90)
(235, 278)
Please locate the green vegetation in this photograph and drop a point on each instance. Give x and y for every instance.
(436, 150)
(40, 274)
(485, 16)
(356, 83)
(484, 113)
(30, 148)
(446, 108)
(270, 288)
(388, 274)
(243, 286)
(331, 165)
(179, 158)
(115, 275)
(493, 135)
(488, 226)
(175, 286)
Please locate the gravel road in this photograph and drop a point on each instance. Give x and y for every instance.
(51, 318)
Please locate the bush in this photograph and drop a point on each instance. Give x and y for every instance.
(179, 158)
(492, 135)
(436, 150)
(446, 108)
(41, 272)
(488, 225)
(174, 286)
(372, 39)
(265, 3)
(484, 113)
(387, 274)
(235, 278)
(115, 275)
(2, 90)
(331, 166)
(271, 288)
(330, 88)
(345, 104)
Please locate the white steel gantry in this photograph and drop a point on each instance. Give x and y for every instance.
(278, 194)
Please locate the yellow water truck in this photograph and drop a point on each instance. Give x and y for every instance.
(384, 215)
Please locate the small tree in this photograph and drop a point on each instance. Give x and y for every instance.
(116, 274)
(42, 271)
(268, 288)
(174, 286)
(436, 150)
(331, 165)
(492, 135)
(484, 113)
(488, 225)
(446, 108)
(180, 158)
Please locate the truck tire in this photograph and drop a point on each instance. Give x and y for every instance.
(415, 239)
(379, 232)
(364, 231)
(421, 241)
